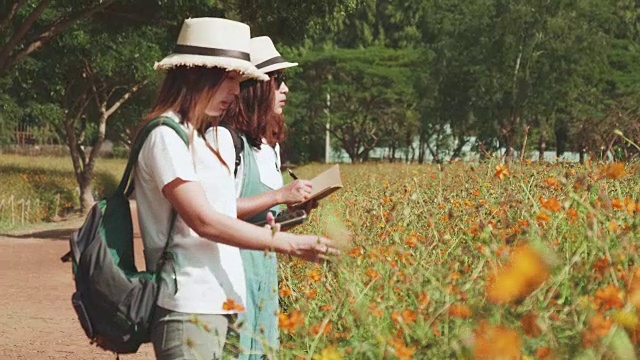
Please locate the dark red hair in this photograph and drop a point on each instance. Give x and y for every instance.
(252, 113)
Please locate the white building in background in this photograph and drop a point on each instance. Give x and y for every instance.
(467, 154)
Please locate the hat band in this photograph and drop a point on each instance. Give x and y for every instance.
(274, 60)
(199, 50)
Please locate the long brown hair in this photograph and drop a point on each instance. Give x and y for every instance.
(252, 113)
(188, 91)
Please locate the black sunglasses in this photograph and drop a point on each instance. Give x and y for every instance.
(280, 77)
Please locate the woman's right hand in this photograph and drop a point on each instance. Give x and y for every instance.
(307, 247)
(295, 192)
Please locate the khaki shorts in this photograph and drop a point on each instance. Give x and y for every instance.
(182, 336)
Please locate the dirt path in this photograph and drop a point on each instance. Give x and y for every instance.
(36, 317)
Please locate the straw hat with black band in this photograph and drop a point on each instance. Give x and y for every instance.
(213, 42)
(265, 57)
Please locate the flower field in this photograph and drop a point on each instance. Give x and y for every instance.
(531, 261)
(485, 261)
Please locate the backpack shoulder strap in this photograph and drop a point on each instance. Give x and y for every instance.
(126, 185)
(238, 145)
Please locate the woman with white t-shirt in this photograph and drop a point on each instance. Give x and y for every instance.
(257, 116)
(205, 283)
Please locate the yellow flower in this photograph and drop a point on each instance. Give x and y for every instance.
(329, 353)
(627, 319)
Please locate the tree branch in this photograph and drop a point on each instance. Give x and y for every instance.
(19, 34)
(125, 97)
(47, 34)
(11, 13)
(105, 112)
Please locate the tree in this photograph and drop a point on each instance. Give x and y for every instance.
(370, 92)
(28, 25)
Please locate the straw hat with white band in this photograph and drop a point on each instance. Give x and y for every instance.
(265, 57)
(213, 42)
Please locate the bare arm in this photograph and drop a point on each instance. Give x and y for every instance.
(190, 202)
(293, 193)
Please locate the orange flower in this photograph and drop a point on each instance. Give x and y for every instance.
(284, 291)
(311, 294)
(375, 310)
(598, 327)
(314, 275)
(502, 171)
(543, 217)
(435, 330)
(601, 265)
(551, 182)
(524, 272)
(613, 226)
(423, 299)
(631, 206)
(617, 204)
(572, 214)
(231, 305)
(613, 171)
(372, 274)
(402, 351)
(609, 298)
(504, 287)
(496, 342)
(319, 328)
(543, 353)
(411, 240)
(460, 311)
(406, 317)
(355, 252)
(290, 322)
(530, 325)
(326, 307)
(551, 204)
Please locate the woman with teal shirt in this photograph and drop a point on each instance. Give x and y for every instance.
(257, 116)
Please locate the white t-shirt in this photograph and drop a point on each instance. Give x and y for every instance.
(267, 158)
(207, 273)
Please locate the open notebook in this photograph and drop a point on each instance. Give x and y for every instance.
(324, 185)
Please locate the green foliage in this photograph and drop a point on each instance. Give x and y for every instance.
(370, 92)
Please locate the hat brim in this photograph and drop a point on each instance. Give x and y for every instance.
(245, 68)
(278, 66)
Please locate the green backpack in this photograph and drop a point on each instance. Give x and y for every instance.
(113, 300)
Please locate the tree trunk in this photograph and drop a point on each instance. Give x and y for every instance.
(86, 191)
(508, 146)
(421, 148)
(542, 145)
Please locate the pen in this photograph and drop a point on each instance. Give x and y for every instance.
(292, 174)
